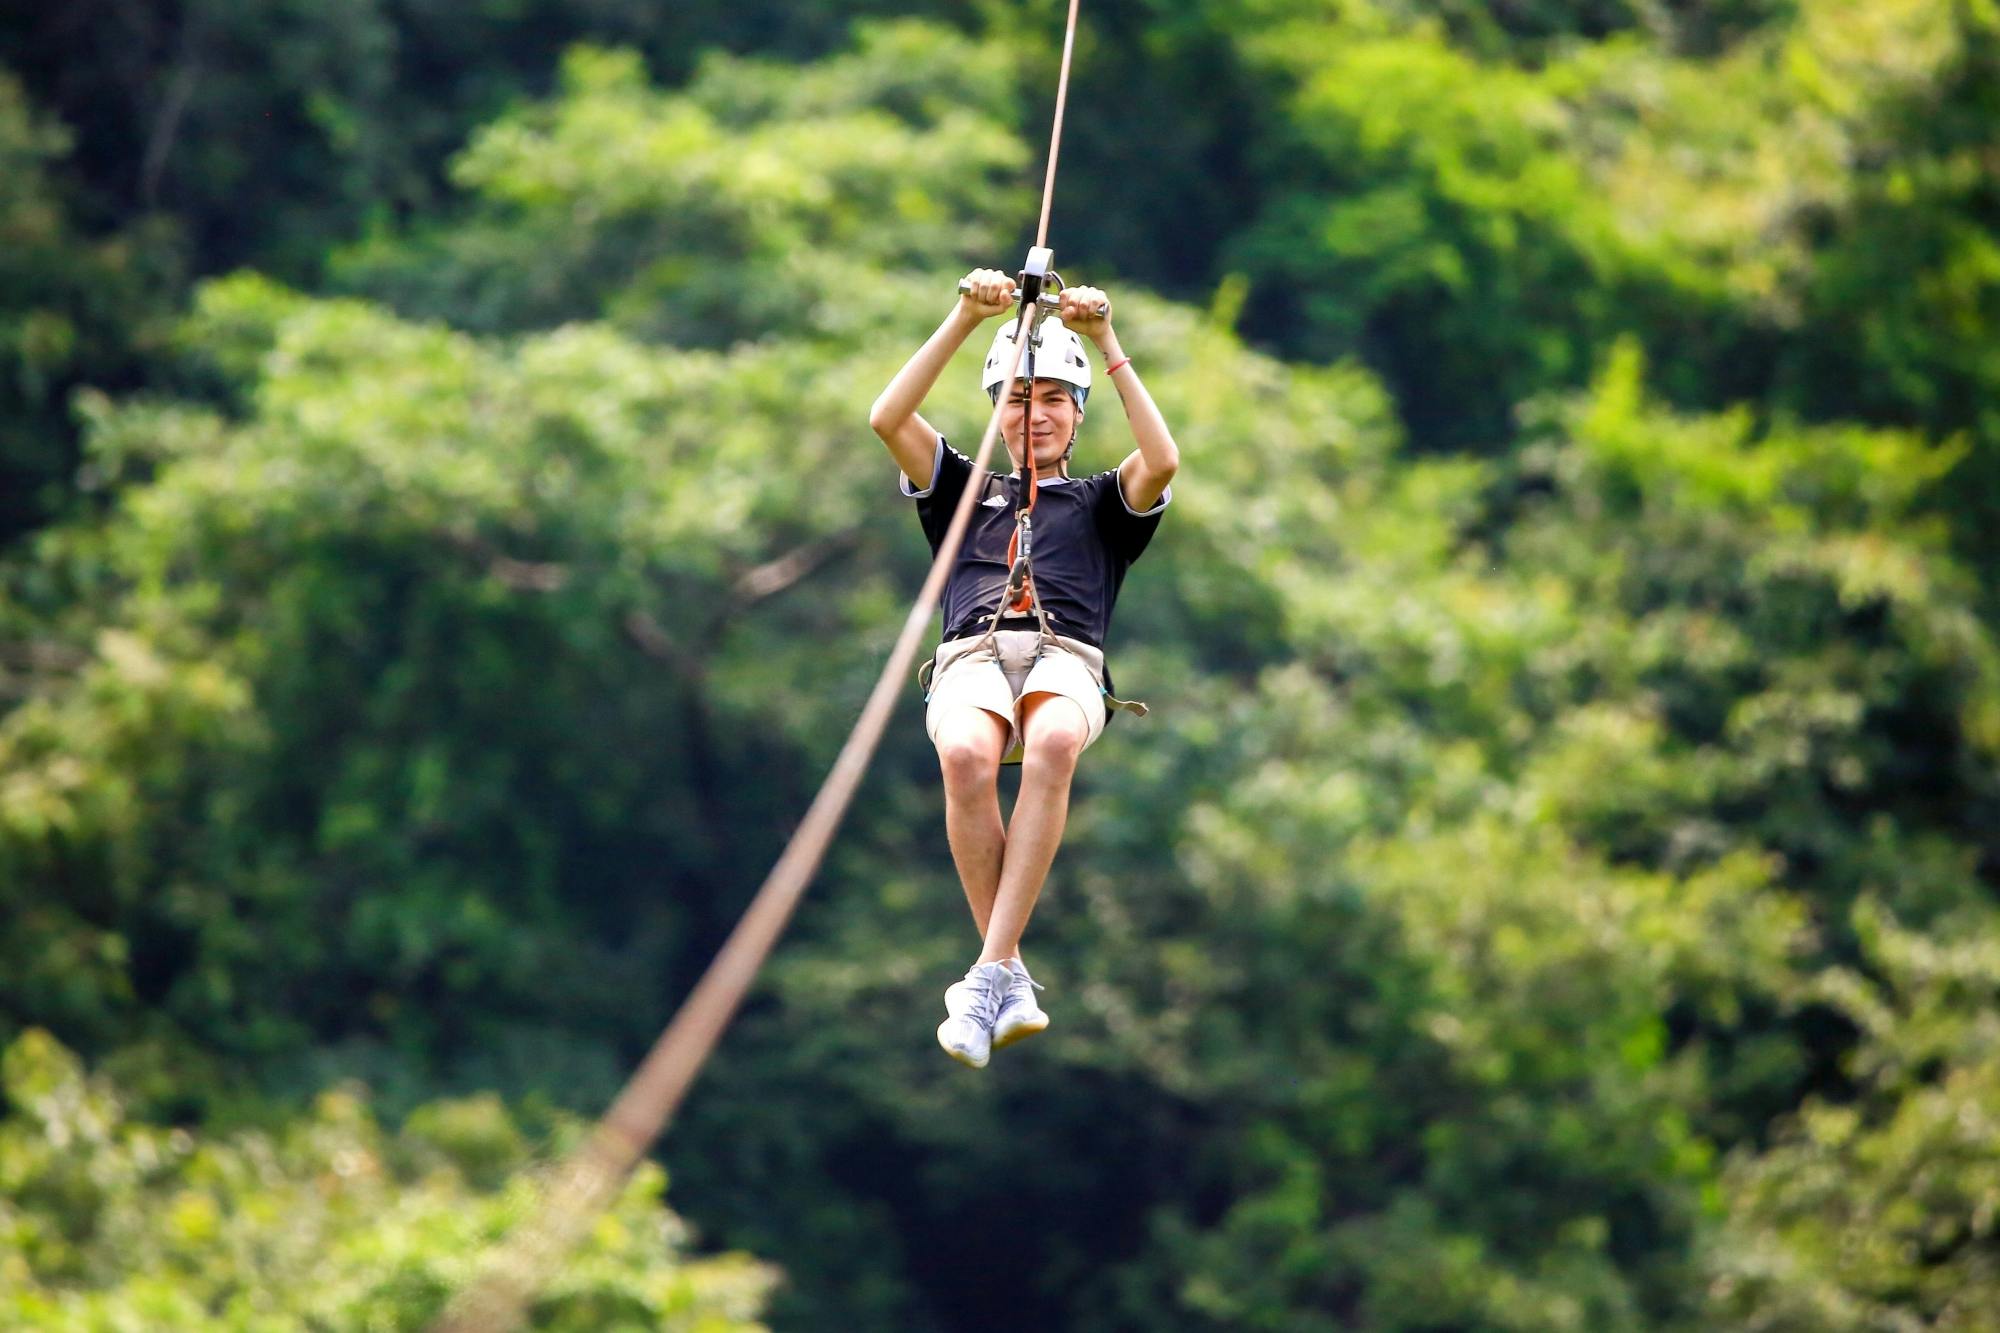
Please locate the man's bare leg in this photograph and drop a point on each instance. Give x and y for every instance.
(970, 742)
(1053, 732)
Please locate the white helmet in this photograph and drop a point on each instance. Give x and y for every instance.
(1058, 355)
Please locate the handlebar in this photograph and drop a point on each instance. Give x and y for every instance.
(1048, 301)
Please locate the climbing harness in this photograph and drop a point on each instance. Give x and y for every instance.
(590, 1177)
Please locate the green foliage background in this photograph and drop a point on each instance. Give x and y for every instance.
(441, 549)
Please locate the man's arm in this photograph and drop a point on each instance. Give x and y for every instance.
(913, 441)
(1144, 474)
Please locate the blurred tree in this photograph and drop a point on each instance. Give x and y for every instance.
(1423, 975)
(72, 311)
(761, 202)
(273, 130)
(1876, 1210)
(1552, 895)
(333, 815)
(1441, 216)
(330, 1222)
(1901, 312)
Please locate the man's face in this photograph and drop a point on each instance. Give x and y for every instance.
(1049, 422)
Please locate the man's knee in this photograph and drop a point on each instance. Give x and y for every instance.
(969, 746)
(1055, 733)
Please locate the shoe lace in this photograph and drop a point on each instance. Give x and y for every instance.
(1021, 984)
(985, 995)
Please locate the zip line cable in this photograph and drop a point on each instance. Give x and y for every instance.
(1055, 129)
(589, 1178)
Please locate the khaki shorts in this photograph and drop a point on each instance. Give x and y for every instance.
(968, 679)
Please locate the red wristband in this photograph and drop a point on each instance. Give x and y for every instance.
(1117, 366)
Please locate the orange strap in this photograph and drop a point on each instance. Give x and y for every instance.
(1024, 601)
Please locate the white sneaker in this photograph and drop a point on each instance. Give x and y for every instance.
(967, 1036)
(1020, 1014)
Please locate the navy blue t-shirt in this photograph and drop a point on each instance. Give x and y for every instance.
(1086, 537)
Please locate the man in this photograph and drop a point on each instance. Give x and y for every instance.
(1002, 688)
